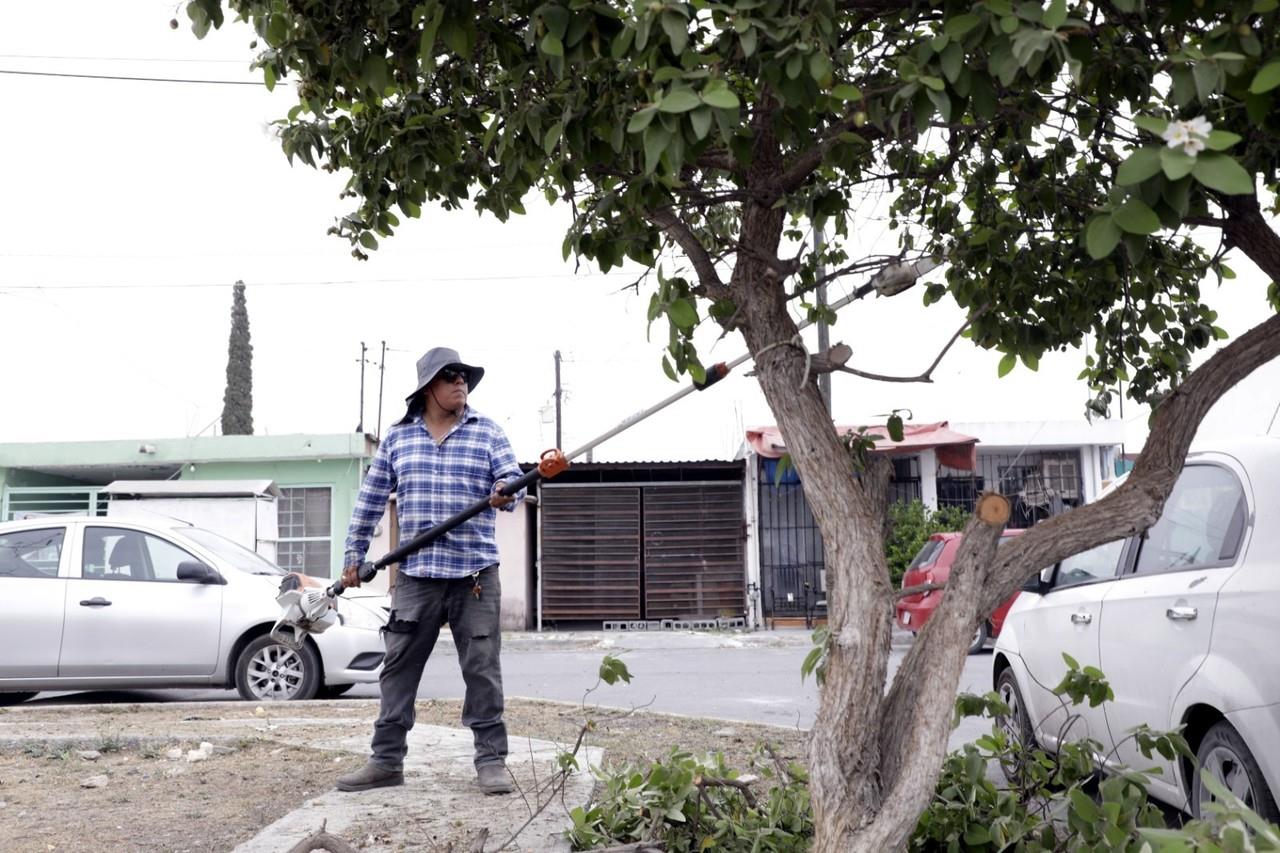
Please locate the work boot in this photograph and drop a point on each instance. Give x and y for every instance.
(494, 779)
(370, 776)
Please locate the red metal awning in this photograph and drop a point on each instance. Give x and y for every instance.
(954, 449)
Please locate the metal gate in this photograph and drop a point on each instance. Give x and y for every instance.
(642, 551)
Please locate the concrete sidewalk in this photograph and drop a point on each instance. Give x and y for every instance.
(438, 800)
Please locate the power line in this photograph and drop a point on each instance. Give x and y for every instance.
(335, 282)
(115, 58)
(134, 79)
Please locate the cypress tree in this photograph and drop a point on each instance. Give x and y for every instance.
(237, 400)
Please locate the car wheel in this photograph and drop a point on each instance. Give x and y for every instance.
(979, 641)
(333, 691)
(15, 698)
(1224, 756)
(1016, 725)
(268, 671)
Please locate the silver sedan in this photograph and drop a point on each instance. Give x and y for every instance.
(98, 603)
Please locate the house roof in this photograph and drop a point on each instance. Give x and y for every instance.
(954, 449)
(194, 488)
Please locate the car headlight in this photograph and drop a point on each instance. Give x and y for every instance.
(358, 616)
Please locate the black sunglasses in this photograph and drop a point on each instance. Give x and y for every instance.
(453, 374)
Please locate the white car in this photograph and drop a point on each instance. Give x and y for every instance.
(97, 603)
(1183, 621)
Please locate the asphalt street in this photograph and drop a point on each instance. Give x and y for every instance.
(751, 677)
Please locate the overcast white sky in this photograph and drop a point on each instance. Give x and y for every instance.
(130, 208)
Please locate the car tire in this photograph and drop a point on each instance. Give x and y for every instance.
(1224, 754)
(268, 671)
(15, 698)
(1017, 724)
(979, 641)
(333, 691)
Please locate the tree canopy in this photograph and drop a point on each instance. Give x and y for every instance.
(1078, 168)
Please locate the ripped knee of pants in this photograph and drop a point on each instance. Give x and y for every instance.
(397, 624)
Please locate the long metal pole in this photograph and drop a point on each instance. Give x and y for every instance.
(558, 439)
(915, 270)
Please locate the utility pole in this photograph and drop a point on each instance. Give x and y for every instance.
(558, 441)
(382, 370)
(360, 424)
(824, 338)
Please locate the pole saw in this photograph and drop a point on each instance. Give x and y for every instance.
(310, 609)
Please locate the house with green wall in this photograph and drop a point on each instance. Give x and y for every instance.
(317, 475)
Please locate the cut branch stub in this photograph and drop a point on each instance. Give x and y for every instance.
(993, 509)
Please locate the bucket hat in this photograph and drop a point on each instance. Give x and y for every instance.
(431, 363)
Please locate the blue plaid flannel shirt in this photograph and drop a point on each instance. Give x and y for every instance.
(433, 482)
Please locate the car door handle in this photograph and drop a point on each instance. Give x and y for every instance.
(1182, 613)
(99, 601)
(1081, 618)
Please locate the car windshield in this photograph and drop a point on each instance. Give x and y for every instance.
(234, 553)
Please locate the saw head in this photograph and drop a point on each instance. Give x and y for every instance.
(303, 610)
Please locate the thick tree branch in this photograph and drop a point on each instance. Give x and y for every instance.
(1137, 503)
(679, 231)
(810, 159)
(1248, 229)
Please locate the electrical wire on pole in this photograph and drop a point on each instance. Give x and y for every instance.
(360, 424)
(382, 370)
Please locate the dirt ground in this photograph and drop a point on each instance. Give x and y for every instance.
(153, 802)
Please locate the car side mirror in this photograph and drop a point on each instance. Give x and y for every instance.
(195, 571)
(1039, 583)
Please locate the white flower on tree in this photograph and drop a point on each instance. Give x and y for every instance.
(1191, 136)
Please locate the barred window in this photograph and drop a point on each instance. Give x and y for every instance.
(304, 516)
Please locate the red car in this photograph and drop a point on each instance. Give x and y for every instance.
(933, 565)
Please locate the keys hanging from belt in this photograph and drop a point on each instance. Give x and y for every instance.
(476, 589)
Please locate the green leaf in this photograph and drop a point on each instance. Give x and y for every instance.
(700, 121)
(679, 101)
(427, 44)
(641, 119)
(1135, 217)
(722, 99)
(1007, 364)
(1221, 140)
(1151, 124)
(845, 92)
(677, 30)
(1177, 164)
(1056, 15)
(683, 314)
(1267, 78)
(1031, 361)
(1222, 173)
(1101, 236)
(551, 45)
(934, 83)
(368, 241)
(1139, 166)
(952, 62)
(552, 138)
(269, 77)
(820, 68)
(961, 24)
(1008, 25)
(894, 425)
(656, 138)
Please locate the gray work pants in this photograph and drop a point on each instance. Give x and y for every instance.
(419, 607)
